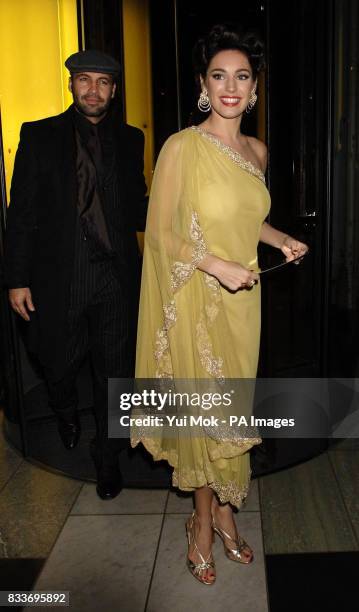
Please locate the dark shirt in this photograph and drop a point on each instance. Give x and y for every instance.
(95, 166)
(105, 131)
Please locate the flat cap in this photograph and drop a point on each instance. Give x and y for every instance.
(92, 61)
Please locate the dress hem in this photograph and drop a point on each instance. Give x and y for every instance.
(227, 492)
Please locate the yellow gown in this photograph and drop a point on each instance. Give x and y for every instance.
(205, 197)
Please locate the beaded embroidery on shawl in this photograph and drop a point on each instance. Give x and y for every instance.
(180, 275)
(211, 364)
(182, 272)
(230, 492)
(245, 164)
(227, 492)
(161, 353)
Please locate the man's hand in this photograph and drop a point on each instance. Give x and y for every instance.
(20, 299)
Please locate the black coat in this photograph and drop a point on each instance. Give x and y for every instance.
(41, 223)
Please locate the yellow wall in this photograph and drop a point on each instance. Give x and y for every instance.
(137, 69)
(36, 36)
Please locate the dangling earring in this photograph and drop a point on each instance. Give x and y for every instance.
(252, 100)
(204, 104)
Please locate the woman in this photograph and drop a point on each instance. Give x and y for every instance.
(200, 298)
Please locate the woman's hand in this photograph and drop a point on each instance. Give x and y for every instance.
(229, 273)
(293, 248)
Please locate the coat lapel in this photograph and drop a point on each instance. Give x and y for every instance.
(67, 168)
(64, 146)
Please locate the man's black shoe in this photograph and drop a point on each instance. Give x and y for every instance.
(69, 430)
(109, 483)
(109, 478)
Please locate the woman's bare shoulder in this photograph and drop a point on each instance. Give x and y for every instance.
(260, 150)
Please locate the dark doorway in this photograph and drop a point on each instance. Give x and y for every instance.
(175, 27)
(299, 81)
(343, 295)
(298, 119)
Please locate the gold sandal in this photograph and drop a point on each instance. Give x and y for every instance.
(234, 554)
(197, 569)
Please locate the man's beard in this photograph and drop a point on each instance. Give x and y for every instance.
(86, 110)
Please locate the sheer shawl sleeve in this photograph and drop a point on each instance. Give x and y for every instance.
(174, 245)
(173, 230)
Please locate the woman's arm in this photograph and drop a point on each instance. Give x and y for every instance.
(291, 247)
(229, 273)
(273, 237)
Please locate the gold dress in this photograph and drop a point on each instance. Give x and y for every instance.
(205, 198)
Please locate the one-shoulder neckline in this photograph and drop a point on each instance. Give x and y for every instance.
(234, 155)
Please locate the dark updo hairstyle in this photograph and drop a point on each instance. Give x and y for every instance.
(225, 36)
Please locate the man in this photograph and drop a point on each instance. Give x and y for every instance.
(71, 255)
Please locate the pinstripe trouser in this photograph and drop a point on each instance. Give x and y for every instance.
(101, 321)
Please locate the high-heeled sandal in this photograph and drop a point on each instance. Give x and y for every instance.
(197, 569)
(234, 554)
